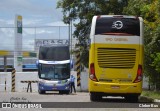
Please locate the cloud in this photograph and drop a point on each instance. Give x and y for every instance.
(31, 8)
(58, 23)
(41, 14)
(32, 22)
(34, 12)
(28, 45)
(6, 35)
(30, 34)
(27, 6)
(5, 23)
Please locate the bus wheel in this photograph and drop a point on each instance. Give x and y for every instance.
(67, 92)
(61, 92)
(41, 92)
(95, 97)
(132, 99)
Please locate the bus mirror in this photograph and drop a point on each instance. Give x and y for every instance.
(37, 63)
(71, 64)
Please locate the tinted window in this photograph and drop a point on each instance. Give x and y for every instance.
(54, 53)
(106, 25)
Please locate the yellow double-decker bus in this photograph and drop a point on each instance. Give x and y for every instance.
(116, 57)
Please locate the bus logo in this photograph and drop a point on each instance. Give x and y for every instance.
(6, 105)
(117, 25)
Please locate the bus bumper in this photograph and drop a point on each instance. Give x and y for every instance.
(115, 89)
(54, 87)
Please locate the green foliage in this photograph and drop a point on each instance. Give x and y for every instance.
(156, 61)
(151, 94)
(150, 11)
(82, 11)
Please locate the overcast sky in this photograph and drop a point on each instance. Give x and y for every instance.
(34, 13)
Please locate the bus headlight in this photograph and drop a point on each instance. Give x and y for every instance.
(42, 87)
(67, 87)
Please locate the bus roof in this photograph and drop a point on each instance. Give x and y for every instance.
(117, 16)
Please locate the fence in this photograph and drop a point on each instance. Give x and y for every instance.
(30, 34)
(20, 76)
(33, 76)
(25, 76)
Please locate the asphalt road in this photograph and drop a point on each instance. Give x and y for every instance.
(77, 101)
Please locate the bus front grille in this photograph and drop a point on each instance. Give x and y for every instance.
(116, 57)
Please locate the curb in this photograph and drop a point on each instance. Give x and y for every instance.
(147, 99)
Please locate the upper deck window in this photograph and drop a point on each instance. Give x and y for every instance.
(54, 53)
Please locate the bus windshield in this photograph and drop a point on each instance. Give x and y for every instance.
(117, 26)
(54, 53)
(54, 71)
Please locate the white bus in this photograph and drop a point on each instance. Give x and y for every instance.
(54, 69)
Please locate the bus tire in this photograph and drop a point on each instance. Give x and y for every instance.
(41, 92)
(64, 92)
(61, 92)
(132, 99)
(67, 92)
(95, 97)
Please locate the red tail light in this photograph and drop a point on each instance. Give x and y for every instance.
(92, 75)
(98, 17)
(139, 74)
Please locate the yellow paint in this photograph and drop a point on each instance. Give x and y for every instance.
(9, 53)
(19, 18)
(25, 54)
(115, 74)
(4, 53)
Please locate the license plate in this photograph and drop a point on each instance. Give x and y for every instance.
(115, 87)
(54, 88)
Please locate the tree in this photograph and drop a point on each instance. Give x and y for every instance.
(82, 11)
(150, 11)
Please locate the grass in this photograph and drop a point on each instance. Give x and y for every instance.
(151, 94)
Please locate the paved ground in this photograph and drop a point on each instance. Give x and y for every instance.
(48, 97)
(79, 101)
